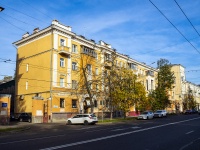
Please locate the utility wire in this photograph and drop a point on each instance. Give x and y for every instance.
(24, 14)
(187, 18)
(175, 27)
(37, 10)
(12, 24)
(18, 19)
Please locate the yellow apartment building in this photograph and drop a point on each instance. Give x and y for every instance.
(50, 73)
(181, 88)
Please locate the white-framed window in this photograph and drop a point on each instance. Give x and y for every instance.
(74, 48)
(62, 62)
(62, 84)
(152, 85)
(96, 71)
(62, 42)
(89, 68)
(26, 85)
(74, 84)
(62, 103)
(120, 64)
(147, 85)
(97, 87)
(74, 103)
(74, 66)
(27, 67)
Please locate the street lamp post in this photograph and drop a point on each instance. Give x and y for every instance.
(1, 8)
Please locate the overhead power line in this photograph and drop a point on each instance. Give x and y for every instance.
(174, 26)
(25, 14)
(37, 9)
(12, 24)
(187, 18)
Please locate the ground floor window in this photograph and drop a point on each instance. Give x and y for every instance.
(74, 103)
(62, 103)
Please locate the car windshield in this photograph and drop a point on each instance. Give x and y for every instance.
(93, 115)
(144, 113)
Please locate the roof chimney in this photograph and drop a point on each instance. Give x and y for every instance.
(25, 35)
(36, 30)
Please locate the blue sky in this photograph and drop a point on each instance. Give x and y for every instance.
(133, 27)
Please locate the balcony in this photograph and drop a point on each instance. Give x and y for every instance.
(108, 65)
(150, 73)
(64, 51)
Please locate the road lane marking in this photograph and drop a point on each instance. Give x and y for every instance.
(114, 136)
(189, 132)
(185, 146)
(32, 139)
(118, 129)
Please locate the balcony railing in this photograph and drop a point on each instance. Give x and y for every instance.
(64, 50)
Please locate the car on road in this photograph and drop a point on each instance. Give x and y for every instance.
(83, 119)
(160, 113)
(24, 117)
(146, 115)
(188, 112)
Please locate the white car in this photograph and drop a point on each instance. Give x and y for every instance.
(83, 119)
(146, 115)
(160, 113)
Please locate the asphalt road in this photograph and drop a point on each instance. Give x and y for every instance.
(180, 132)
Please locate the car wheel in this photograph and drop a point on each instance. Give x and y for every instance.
(85, 122)
(147, 117)
(69, 122)
(20, 119)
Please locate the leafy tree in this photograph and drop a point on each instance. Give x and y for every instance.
(89, 82)
(159, 98)
(189, 101)
(128, 91)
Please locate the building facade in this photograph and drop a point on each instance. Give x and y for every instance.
(50, 73)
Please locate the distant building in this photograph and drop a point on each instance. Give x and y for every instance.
(9, 88)
(5, 109)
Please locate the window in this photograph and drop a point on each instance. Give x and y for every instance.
(120, 64)
(26, 85)
(74, 103)
(89, 68)
(62, 42)
(101, 102)
(97, 87)
(151, 84)
(96, 71)
(62, 103)
(147, 85)
(62, 62)
(74, 48)
(74, 84)
(62, 82)
(26, 67)
(95, 103)
(74, 66)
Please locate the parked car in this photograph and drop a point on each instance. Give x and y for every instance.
(188, 112)
(24, 117)
(194, 111)
(83, 119)
(199, 112)
(160, 113)
(146, 115)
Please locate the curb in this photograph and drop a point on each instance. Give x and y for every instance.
(18, 129)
